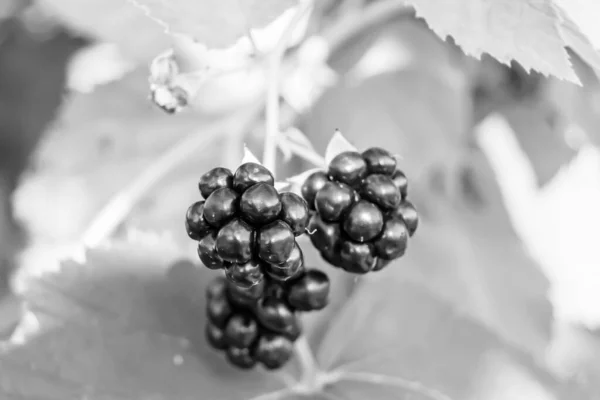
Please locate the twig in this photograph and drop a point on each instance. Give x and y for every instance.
(272, 98)
(117, 209)
(394, 381)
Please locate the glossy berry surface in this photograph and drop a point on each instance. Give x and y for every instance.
(315, 182)
(244, 275)
(275, 242)
(325, 236)
(364, 221)
(207, 252)
(333, 200)
(241, 330)
(195, 223)
(379, 161)
(215, 336)
(291, 268)
(393, 241)
(249, 174)
(408, 213)
(357, 258)
(274, 314)
(260, 204)
(310, 292)
(220, 207)
(214, 179)
(380, 264)
(381, 190)
(241, 358)
(234, 242)
(273, 351)
(294, 212)
(401, 183)
(219, 310)
(348, 167)
(246, 296)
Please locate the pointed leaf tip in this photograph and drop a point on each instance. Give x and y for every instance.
(249, 157)
(338, 144)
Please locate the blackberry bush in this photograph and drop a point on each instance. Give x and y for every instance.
(361, 218)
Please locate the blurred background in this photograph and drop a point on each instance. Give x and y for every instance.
(503, 164)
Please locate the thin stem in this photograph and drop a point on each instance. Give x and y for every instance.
(272, 98)
(117, 209)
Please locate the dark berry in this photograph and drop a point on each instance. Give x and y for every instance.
(245, 275)
(294, 331)
(215, 336)
(241, 358)
(332, 257)
(235, 241)
(249, 174)
(275, 242)
(381, 190)
(273, 351)
(392, 242)
(310, 292)
(289, 269)
(260, 204)
(379, 161)
(246, 296)
(216, 288)
(207, 252)
(218, 310)
(294, 212)
(380, 264)
(275, 289)
(348, 167)
(196, 226)
(275, 314)
(315, 182)
(241, 330)
(333, 200)
(401, 183)
(324, 236)
(408, 213)
(220, 207)
(364, 221)
(357, 257)
(216, 178)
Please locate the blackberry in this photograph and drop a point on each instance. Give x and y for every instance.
(259, 324)
(246, 227)
(361, 215)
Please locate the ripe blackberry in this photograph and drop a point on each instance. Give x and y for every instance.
(246, 227)
(259, 324)
(362, 218)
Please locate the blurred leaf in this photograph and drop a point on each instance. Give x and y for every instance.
(530, 32)
(216, 23)
(121, 327)
(395, 340)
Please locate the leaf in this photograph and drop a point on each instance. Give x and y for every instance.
(214, 23)
(415, 347)
(123, 326)
(249, 157)
(530, 32)
(338, 144)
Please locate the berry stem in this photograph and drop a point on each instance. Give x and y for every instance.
(272, 98)
(308, 365)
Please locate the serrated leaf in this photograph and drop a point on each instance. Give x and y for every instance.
(338, 144)
(529, 32)
(215, 23)
(123, 326)
(249, 157)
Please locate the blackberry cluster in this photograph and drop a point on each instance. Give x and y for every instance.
(259, 324)
(361, 218)
(246, 227)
